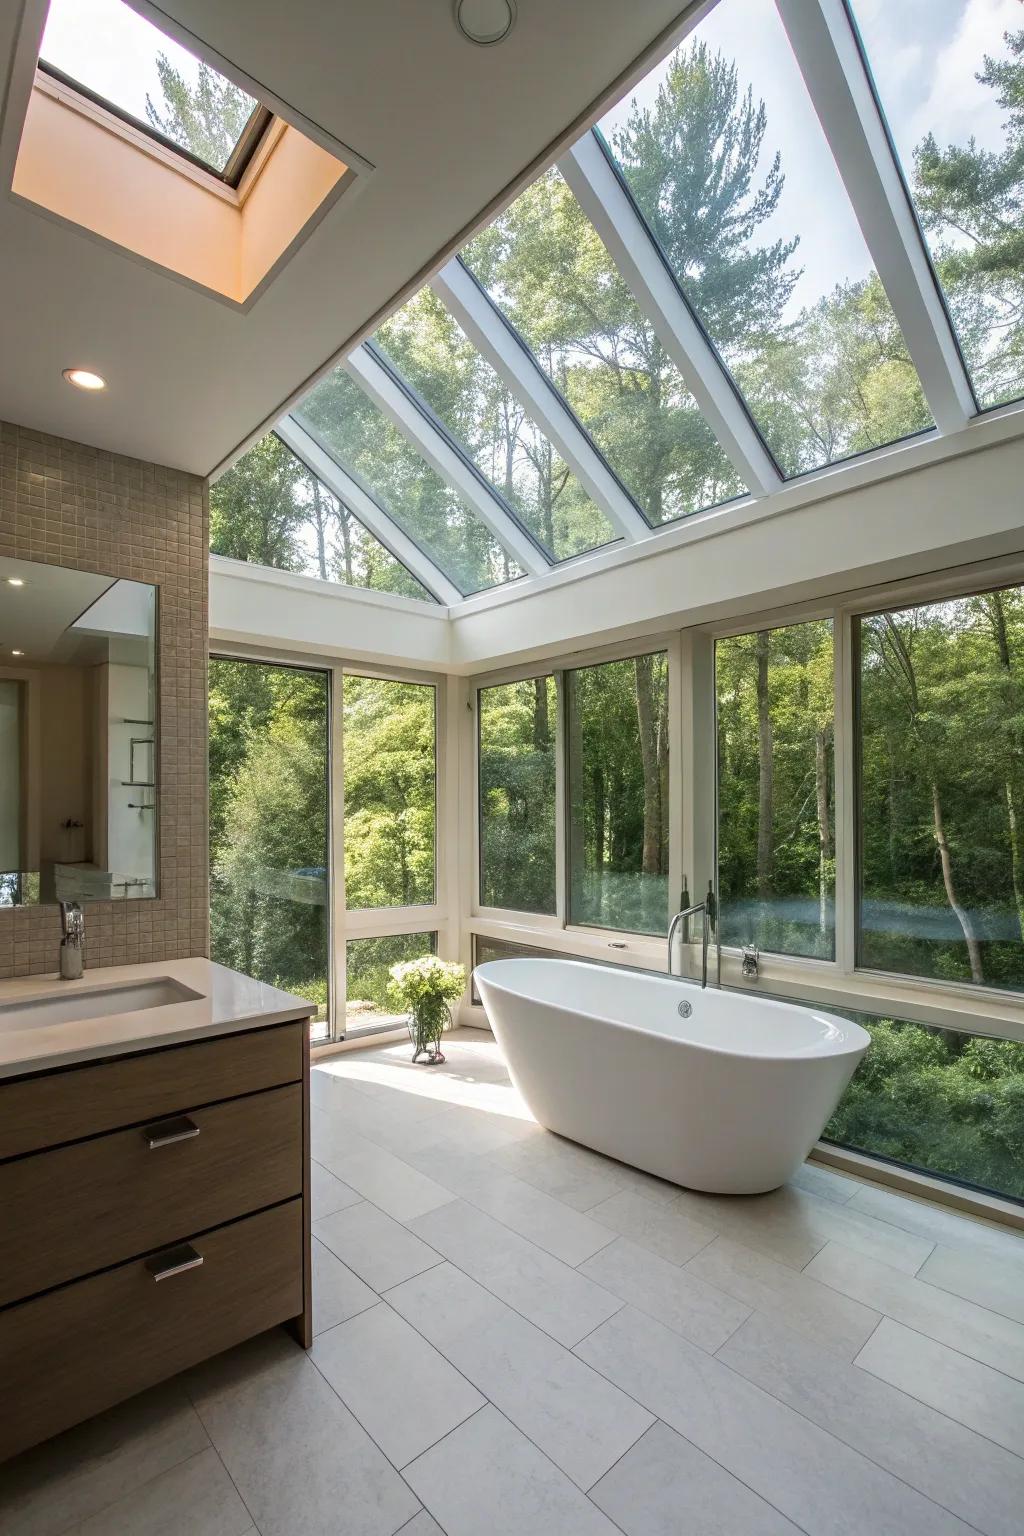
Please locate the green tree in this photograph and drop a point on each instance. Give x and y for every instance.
(207, 118)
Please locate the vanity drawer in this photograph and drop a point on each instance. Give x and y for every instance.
(78, 1208)
(79, 1101)
(80, 1349)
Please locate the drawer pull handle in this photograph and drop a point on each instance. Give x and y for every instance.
(173, 1261)
(181, 1128)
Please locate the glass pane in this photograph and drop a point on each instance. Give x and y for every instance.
(776, 809)
(618, 794)
(543, 263)
(435, 356)
(950, 77)
(12, 856)
(115, 54)
(367, 963)
(943, 1102)
(269, 509)
(269, 886)
(371, 448)
(942, 790)
(389, 759)
(725, 156)
(517, 795)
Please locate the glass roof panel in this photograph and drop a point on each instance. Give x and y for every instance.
(115, 54)
(724, 155)
(269, 509)
(433, 354)
(543, 262)
(950, 78)
(371, 448)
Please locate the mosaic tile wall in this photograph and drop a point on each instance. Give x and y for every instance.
(67, 504)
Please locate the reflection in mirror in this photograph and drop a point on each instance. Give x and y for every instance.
(78, 736)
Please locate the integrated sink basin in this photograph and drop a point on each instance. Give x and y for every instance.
(63, 1007)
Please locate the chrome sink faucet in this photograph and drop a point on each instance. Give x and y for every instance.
(72, 927)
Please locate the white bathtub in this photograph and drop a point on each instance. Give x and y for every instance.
(730, 1099)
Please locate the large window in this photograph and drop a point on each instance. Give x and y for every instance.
(947, 1103)
(117, 57)
(722, 150)
(544, 264)
(618, 750)
(269, 509)
(941, 789)
(368, 965)
(776, 816)
(517, 734)
(433, 355)
(269, 797)
(390, 793)
(950, 77)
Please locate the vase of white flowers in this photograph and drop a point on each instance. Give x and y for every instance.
(425, 989)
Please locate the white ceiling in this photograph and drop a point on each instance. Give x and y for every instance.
(446, 126)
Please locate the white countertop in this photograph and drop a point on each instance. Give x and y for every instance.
(227, 1002)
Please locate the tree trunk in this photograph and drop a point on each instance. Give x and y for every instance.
(961, 913)
(647, 717)
(320, 520)
(766, 774)
(824, 827)
(997, 614)
(541, 722)
(346, 546)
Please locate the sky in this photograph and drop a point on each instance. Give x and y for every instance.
(112, 50)
(925, 55)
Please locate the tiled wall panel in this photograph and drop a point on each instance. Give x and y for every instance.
(68, 504)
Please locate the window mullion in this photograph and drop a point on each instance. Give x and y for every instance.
(336, 855)
(844, 752)
(561, 801)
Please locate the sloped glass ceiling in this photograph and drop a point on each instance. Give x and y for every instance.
(729, 178)
(725, 157)
(117, 56)
(544, 265)
(368, 445)
(432, 353)
(950, 78)
(268, 509)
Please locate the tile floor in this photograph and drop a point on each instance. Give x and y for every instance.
(517, 1337)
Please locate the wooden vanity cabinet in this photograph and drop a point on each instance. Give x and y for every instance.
(154, 1210)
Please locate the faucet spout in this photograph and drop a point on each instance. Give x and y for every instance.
(681, 917)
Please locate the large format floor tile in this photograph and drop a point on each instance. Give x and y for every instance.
(338, 1294)
(196, 1496)
(405, 1394)
(558, 1299)
(375, 1173)
(380, 1251)
(975, 1331)
(87, 1469)
(665, 1486)
(992, 1282)
(571, 1174)
(936, 1223)
(956, 1467)
(701, 1313)
(975, 1394)
(665, 1230)
(818, 1482)
(582, 1422)
(327, 1192)
(805, 1304)
(294, 1451)
(486, 1477)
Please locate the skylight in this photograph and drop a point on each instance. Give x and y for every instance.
(109, 53)
(725, 157)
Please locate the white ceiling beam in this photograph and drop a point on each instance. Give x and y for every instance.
(631, 246)
(520, 372)
(383, 389)
(372, 516)
(822, 37)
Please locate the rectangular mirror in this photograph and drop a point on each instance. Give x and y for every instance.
(78, 736)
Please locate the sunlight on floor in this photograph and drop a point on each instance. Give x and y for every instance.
(476, 1079)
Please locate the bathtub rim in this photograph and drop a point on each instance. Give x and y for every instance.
(851, 1046)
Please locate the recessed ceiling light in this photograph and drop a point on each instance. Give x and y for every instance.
(17, 653)
(15, 581)
(81, 378)
(485, 21)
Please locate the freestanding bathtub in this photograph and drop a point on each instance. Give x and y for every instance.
(718, 1091)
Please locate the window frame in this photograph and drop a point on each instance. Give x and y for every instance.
(371, 922)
